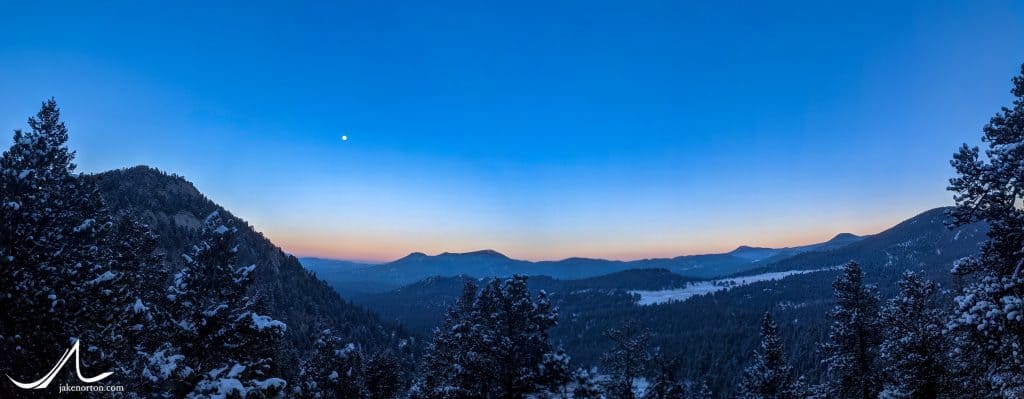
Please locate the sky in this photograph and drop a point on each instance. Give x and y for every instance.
(542, 130)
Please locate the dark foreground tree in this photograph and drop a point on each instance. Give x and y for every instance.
(59, 282)
(851, 352)
(334, 369)
(626, 361)
(769, 377)
(382, 375)
(494, 344)
(339, 370)
(584, 385)
(143, 323)
(665, 382)
(914, 351)
(226, 345)
(441, 373)
(989, 316)
(700, 390)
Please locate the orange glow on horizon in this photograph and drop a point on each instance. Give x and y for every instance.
(382, 248)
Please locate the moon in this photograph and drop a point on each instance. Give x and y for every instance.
(344, 138)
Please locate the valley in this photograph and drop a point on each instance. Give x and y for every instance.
(707, 320)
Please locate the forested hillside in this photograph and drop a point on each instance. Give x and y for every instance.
(922, 242)
(174, 210)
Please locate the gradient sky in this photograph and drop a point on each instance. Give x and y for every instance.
(539, 129)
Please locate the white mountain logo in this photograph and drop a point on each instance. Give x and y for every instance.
(48, 378)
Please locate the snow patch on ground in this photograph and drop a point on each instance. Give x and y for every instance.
(707, 287)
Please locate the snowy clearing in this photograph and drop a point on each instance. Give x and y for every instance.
(707, 287)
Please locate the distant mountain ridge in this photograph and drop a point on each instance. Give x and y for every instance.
(314, 263)
(490, 263)
(761, 253)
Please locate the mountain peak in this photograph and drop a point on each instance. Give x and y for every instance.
(490, 253)
(749, 250)
(149, 180)
(845, 237)
(413, 255)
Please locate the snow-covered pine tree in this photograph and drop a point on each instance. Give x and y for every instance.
(665, 382)
(769, 376)
(584, 385)
(852, 349)
(626, 361)
(56, 278)
(335, 369)
(555, 372)
(495, 344)
(513, 329)
(913, 351)
(801, 389)
(700, 390)
(382, 375)
(989, 314)
(442, 373)
(142, 326)
(227, 345)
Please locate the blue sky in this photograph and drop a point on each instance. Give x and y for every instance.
(539, 129)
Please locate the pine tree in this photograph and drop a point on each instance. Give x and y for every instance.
(382, 375)
(335, 369)
(989, 314)
(914, 349)
(494, 344)
(227, 346)
(665, 382)
(801, 389)
(584, 385)
(514, 337)
(555, 372)
(700, 390)
(56, 277)
(442, 373)
(769, 377)
(852, 349)
(626, 361)
(141, 328)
